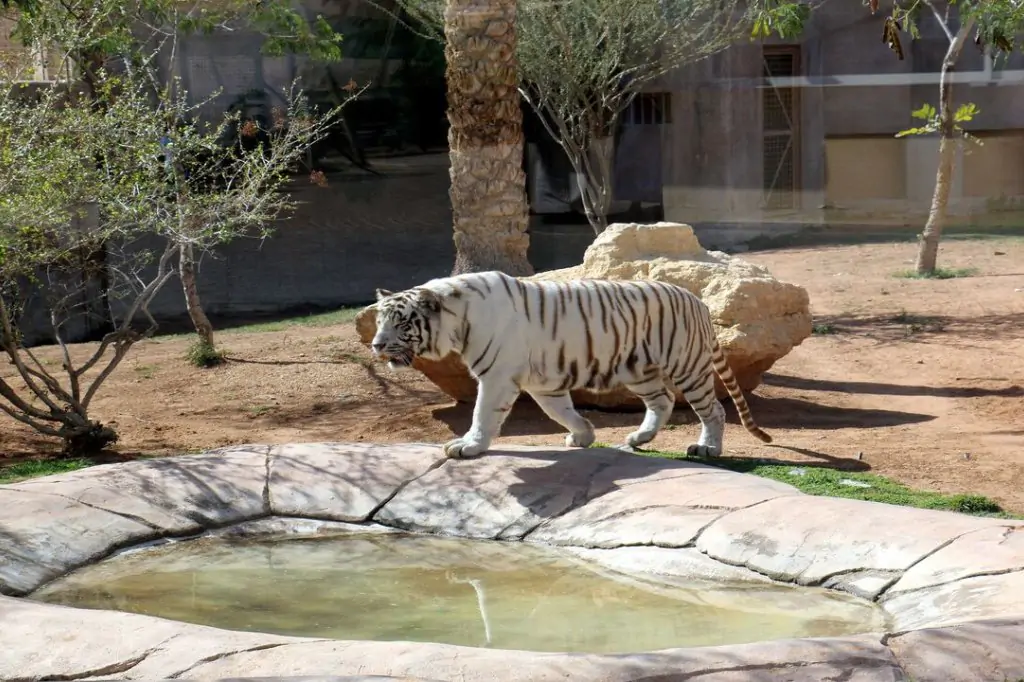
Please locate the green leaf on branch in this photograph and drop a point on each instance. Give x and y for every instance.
(925, 130)
(966, 112)
(782, 17)
(925, 113)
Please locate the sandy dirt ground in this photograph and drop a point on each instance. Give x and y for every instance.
(919, 380)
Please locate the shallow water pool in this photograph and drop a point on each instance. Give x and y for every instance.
(397, 586)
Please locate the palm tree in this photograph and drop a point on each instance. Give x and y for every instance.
(485, 137)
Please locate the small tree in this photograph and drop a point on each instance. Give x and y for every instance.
(582, 62)
(141, 166)
(60, 156)
(136, 32)
(215, 193)
(991, 24)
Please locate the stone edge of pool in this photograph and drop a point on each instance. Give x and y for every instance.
(952, 585)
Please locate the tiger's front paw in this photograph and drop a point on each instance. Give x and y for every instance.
(580, 440)
(460, 448)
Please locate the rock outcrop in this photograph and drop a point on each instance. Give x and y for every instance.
(758, 318)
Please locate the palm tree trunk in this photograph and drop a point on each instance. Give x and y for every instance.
(928, 240)
(485, 138)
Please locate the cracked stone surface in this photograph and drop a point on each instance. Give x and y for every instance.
(44, 535)
(965, 653)
(862, 658)
(810, 539)
(341, 482)
(684, 564)
(964, 600)
(952, 584)
(174, 495)
(503, 495)
(866, 584)
(671, 511)
(1001, 546)
(111, 644)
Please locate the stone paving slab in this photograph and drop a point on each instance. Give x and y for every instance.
(969, 599)
(998, 549)
(667, 512)
(808, 539)
(628, 469)
(322, 678)
(44, 535)
(965, 653)
(176, 495)
(682, 564)
(84, 643)
(502, 495)
(856, 659)
(343, 481)
(106, 645)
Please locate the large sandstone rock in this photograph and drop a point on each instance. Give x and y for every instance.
(758, 318)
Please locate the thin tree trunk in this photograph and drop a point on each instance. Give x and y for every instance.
(594, 177)
(485, 138)
(187, 271)
(928, 240)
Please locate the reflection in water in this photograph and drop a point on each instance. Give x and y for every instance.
(390, 586)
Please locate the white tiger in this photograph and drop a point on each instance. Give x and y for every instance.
(548, 338)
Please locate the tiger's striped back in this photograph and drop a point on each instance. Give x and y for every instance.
(552, 337)
(548, 338)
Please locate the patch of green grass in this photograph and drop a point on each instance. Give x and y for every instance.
(328, 319)
(824, 329)
(202, 354)
(846, 484)
(938, 273)
(40, 467)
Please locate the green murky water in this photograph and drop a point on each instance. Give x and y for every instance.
(383, 586)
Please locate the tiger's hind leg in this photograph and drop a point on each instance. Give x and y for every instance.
(559, 407)
(659, 402)
(699, 392)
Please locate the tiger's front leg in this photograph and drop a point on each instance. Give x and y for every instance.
(494, 400)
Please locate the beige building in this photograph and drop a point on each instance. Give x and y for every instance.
(806, 132)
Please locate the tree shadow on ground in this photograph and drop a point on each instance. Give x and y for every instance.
(874, 388)
(924, 328)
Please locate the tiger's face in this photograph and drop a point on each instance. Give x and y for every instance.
(406, 324)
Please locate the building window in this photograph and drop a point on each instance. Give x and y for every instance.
(780, 150)
(650, 108)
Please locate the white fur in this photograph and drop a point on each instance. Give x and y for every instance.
(511, 332)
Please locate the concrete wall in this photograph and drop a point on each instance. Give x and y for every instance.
(712, 165)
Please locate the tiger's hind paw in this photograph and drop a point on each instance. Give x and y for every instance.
(638, 438)
(698, 450)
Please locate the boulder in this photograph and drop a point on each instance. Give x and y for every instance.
(758, 318)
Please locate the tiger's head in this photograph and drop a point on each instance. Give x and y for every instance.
(407, 323)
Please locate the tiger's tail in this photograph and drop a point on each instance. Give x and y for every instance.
(735, 392)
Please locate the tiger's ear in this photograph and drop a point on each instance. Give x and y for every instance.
(383, 293)
(429, 300)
